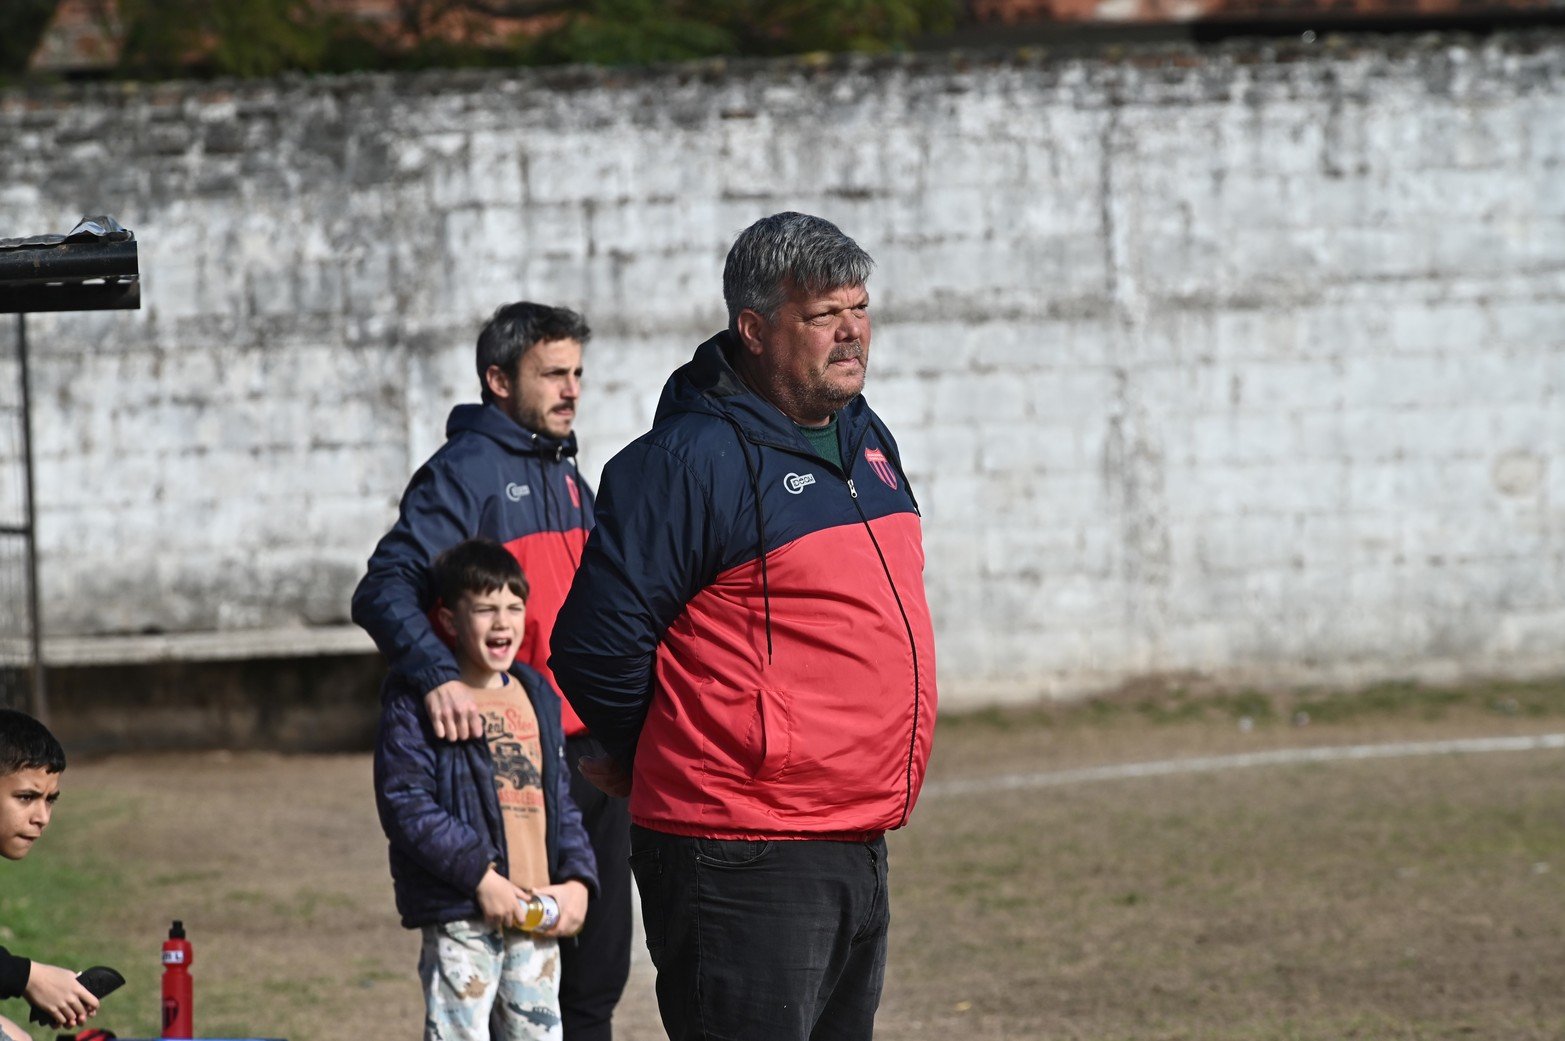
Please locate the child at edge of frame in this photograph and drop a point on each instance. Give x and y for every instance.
(477, 827)
(31, 762)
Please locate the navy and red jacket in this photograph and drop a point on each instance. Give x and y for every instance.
(495, 479)
(748, 631)
(439, 810)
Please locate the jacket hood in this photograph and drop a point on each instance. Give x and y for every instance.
(489, 421)
(709, 384)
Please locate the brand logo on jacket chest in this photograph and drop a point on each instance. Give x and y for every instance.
(517, 492)
(796, 483)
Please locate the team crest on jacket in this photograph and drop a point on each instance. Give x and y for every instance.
(877, 459)
(570, 486)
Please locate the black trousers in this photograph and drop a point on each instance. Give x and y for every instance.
(596, 963)
(764, 940)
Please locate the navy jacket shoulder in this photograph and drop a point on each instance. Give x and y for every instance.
(491, 478)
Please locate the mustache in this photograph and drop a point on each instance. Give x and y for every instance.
(846, 351)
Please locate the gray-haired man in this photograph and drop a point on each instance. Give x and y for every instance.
(748, 637)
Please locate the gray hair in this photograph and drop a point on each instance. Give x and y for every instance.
(787, 250)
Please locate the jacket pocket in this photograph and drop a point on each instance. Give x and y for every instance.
(820, 744)
(772, 733)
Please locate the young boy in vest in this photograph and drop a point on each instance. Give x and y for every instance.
(31, 762)
(478, 827)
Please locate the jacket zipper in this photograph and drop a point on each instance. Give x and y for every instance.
(912, 747)
(907, 625)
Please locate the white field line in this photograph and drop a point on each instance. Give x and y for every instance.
(1216, 763)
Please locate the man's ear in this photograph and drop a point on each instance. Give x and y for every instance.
(499, 383)
(750, 325)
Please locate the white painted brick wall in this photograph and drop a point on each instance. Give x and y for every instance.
(1241, 361)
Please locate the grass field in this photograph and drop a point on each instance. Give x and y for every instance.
(1398, 898)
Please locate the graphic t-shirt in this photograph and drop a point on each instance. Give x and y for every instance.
(511, 728)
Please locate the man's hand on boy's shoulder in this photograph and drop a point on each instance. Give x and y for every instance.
(453, 713)
(57, 992)
(571, 895)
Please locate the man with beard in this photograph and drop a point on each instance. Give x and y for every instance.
(748, 636)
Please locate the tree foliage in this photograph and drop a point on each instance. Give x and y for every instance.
(264, 37)
(231, 37)
(626, 31)
(22, 22)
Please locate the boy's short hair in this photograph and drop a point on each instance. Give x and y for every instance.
(476, 566)
(26, 744)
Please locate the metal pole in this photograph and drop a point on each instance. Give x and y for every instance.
(40, 691)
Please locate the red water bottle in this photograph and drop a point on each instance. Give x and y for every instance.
(177, 957)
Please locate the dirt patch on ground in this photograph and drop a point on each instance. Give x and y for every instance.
(1408, 898)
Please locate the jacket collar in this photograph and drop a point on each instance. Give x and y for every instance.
(708, 383)
(494, 424)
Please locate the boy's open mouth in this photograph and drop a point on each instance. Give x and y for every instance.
(498, 643)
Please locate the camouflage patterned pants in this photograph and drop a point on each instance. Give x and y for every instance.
(484, 985)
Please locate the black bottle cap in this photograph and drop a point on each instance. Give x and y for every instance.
(177, 930)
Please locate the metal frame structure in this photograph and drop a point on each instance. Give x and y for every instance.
(94, 267)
